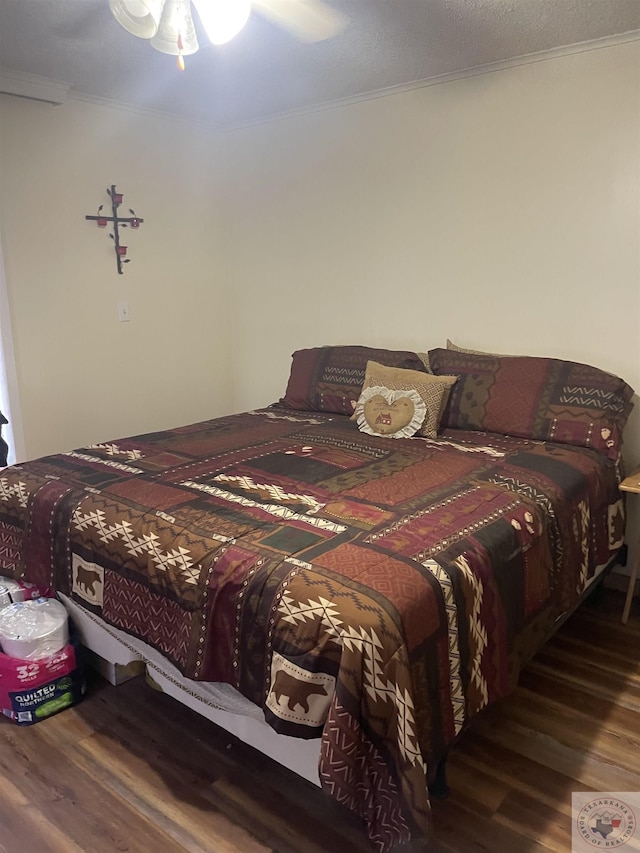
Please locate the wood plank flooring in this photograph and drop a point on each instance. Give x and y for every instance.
(131, 770)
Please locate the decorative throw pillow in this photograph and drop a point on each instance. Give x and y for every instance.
(424, 358)
(547, 399)
(328, 379)
(456, 348)
(434, 390)
(395, 414)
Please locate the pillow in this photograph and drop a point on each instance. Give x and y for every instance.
(396, 414)
(456, 348)
(433, 390)
(424, 358)
(547, 399)
(328, 379)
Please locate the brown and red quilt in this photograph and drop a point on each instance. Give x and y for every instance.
(376, 593)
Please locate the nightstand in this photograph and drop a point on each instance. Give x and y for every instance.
(631, 484)
(3, 444)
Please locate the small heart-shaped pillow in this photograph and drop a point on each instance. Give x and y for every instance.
(396, 414)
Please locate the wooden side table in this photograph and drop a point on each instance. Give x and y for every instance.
(631, 484)
(3, 444)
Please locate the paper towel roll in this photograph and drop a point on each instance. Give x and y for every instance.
(32, 630)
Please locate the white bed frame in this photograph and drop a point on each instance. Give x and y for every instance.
(118, 657)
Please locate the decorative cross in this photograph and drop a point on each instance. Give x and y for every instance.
(118, 222)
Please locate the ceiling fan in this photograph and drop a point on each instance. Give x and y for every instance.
(169, 25)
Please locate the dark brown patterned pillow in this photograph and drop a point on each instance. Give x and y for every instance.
(547, 399)
(329, 379)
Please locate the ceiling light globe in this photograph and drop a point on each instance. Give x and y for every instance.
(176, 33)
(138, 17)
(222, 19)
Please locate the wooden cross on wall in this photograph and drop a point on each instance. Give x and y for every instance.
(132, 221)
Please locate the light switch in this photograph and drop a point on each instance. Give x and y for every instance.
(123, 312)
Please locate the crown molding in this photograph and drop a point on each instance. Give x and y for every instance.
(54, 92)
(437, 80)
(34, 88)
(138, 109)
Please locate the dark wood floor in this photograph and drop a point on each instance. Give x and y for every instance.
(131, 770)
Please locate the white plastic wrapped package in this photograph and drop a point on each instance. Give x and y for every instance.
(32, 630)
(5, 597)
(12, 591)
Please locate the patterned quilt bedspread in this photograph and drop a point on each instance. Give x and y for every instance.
(377, 593)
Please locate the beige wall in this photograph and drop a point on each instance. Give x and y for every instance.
(82, 375)
(501, 211)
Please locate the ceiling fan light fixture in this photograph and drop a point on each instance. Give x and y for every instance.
(138, 17)
(223, 19)
(176, 34)
(168, 24)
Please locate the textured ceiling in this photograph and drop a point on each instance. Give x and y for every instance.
(266, 71)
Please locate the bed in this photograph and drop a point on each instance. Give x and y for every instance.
(367, 581)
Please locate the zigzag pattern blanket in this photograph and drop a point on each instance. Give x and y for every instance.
(373, 592)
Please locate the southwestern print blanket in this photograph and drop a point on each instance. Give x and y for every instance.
(374, 592)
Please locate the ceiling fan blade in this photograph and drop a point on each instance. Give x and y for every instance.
(308, 20)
